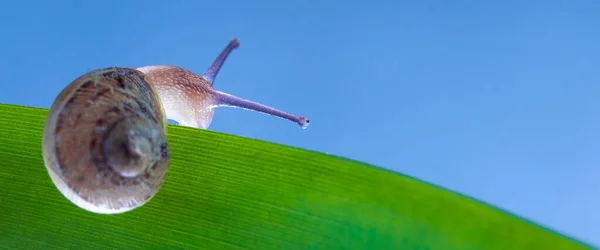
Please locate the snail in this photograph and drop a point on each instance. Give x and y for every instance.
(104, 141)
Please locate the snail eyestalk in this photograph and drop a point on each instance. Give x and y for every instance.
(213, 70)
(223, 99)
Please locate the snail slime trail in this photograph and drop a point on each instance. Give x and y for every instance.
(104, 141)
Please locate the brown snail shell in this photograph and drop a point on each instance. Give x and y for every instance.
(104, 141)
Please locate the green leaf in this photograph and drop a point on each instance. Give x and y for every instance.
(228, 192)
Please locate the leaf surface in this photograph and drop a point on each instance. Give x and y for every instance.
(228, 192)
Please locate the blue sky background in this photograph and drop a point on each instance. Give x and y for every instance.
(497, 101)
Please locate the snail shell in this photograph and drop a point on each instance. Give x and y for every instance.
(104, 141)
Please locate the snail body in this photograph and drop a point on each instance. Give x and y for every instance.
(104, 141)
(190, 99)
